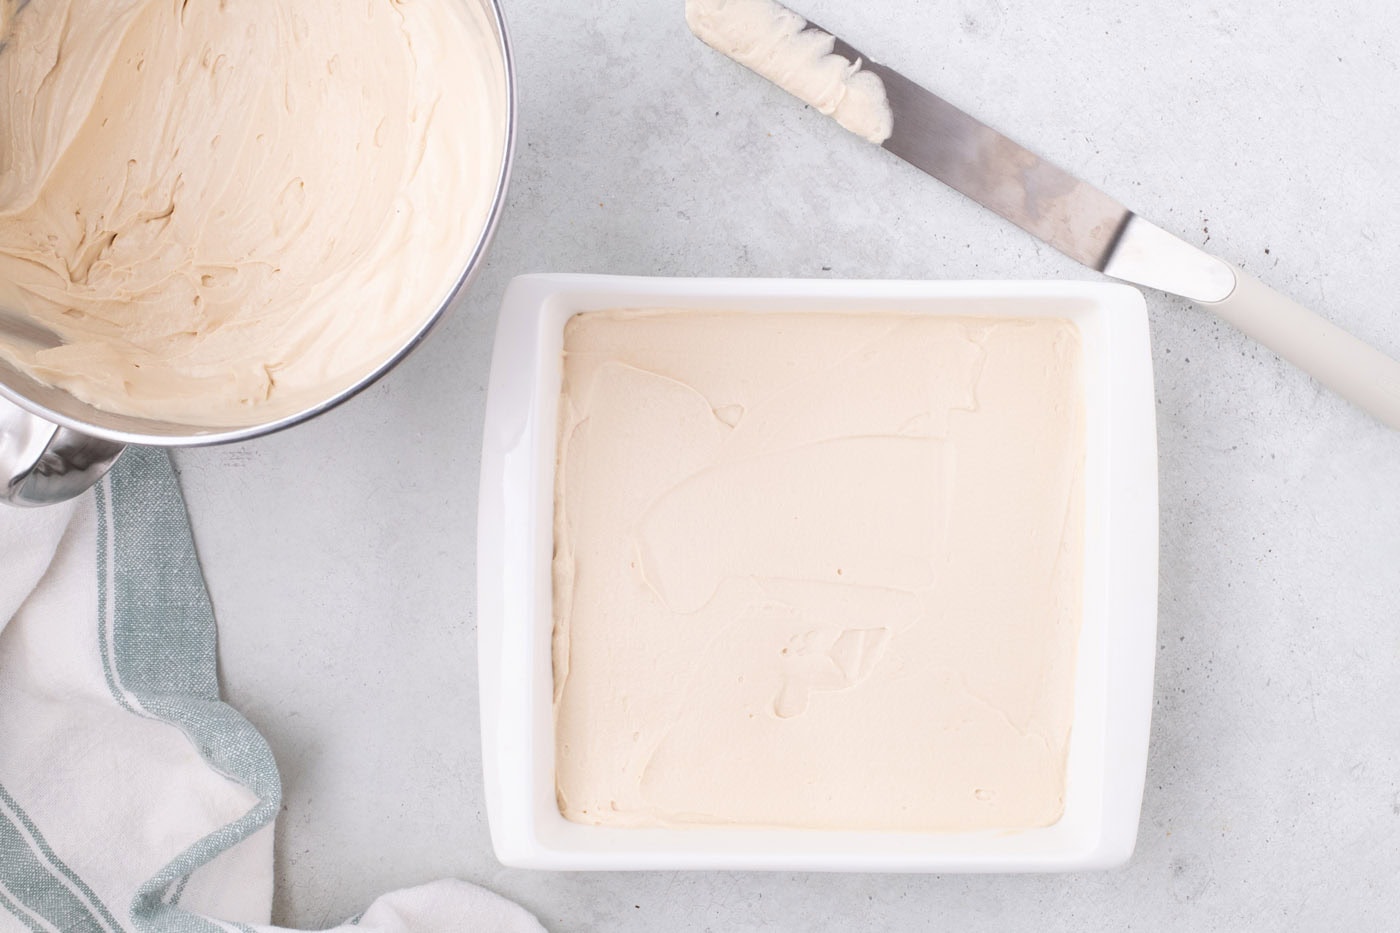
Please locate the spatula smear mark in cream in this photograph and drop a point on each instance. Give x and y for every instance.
(777, 43)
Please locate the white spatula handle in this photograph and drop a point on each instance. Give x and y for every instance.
(1348, 366)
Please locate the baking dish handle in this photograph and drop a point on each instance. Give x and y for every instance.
(42, 463)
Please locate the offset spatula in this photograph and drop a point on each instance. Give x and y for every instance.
(1092, 228)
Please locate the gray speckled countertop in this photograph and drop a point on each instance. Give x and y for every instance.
(340, 554)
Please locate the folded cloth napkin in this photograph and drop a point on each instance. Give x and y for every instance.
(131, 796)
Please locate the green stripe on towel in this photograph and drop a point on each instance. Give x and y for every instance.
(164, 655)
(24, 915)
(38, 878)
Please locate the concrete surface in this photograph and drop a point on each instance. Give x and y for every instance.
(340, 555)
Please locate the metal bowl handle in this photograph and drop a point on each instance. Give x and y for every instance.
(42, 463)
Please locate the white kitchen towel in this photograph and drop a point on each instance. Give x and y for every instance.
(131, 796)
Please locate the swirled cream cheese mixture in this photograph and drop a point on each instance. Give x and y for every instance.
(817, 570)
(230, 211)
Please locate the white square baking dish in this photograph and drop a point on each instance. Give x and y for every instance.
(1116, 651)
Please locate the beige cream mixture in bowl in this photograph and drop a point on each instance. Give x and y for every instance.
(233, 213)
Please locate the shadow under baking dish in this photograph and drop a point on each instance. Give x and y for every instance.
(1116, 650)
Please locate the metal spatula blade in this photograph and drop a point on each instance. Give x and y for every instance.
(1047, 202)
(17, 328)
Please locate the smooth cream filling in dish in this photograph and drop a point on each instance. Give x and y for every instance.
(229, 212)
(817, 570)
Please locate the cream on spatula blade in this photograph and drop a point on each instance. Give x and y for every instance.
(887, 109)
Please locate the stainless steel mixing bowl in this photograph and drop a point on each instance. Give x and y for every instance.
(54, 446)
